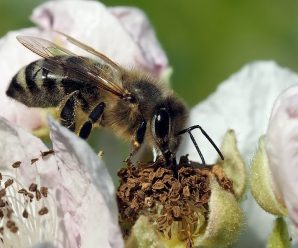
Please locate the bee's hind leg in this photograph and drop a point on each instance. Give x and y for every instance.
(73, 107)
(93, 117)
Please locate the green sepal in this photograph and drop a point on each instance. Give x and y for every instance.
(261, 182)
(233, 164)
(279, 237)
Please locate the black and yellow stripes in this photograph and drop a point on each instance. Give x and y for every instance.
(40, 85)
(31, 72)
(14, 88)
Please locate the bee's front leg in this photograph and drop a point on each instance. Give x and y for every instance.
(137, 140)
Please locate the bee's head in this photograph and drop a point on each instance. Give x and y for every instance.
(169, 117)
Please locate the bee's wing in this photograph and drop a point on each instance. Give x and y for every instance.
(81, 66)
(91, 50)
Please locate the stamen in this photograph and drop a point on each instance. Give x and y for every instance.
(33, 160)
(46, 153)
(177, 206)
(27, 215)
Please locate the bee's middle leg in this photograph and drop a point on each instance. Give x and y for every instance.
(93, 117)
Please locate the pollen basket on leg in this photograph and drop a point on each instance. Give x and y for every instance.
(28, 215)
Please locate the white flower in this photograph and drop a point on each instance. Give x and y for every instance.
(80, 202)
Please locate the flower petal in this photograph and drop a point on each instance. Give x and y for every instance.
(18, 145)
(92, 23)
(44, 245)
(282, 146)
(243, 103)
(137, 25)
(13, 57)
(90, 210)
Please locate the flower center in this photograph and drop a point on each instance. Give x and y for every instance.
(27, 215)
(177, 204)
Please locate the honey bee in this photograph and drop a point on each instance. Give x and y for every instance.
(97, 92)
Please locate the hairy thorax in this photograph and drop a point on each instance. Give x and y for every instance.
(125, 117)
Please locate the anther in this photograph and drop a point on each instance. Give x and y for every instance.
(43, 211)
(33, 187)
(44, 191)
(16, 164)
(33, 160)
(25, 214)
(8, 182)
(46, 153)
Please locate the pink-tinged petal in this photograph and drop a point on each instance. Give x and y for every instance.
(89, 209)
(282, 149)
(136, 23)
(93, 24)
(18, 145)
(243, 102)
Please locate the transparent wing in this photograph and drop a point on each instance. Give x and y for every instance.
(99, 74)
(91, 50)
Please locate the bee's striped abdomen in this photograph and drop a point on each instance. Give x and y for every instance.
(36, 86)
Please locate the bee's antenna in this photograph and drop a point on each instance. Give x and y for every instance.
(189, 129)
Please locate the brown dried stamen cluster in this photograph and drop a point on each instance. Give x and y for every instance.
(15, 200)
(168, 198)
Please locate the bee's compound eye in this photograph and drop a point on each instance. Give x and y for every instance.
(161, 123)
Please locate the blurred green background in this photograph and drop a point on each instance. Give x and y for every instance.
(206, 41)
